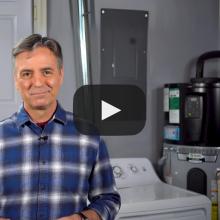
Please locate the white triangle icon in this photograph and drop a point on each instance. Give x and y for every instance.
(108, 110)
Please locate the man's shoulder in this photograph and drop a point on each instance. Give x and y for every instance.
(69, 115)
(9, 121)
(83, 127)
(77, 121)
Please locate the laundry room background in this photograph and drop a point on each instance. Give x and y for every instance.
(174, 33)
(178, 32)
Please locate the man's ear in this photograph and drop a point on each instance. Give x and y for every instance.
(15, 80)
(62, 74)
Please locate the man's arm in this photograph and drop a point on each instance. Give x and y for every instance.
(90, 214)
(103, 196)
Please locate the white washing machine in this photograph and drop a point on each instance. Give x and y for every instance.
(145, 197)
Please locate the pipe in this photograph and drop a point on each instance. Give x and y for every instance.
(84, 55)
(202, 58)
(84, 37)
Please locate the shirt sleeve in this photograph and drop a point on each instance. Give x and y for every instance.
(103, 195)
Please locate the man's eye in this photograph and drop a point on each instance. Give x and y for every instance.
(25, 75)
(47, 72)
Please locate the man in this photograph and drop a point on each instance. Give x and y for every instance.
(48, 169)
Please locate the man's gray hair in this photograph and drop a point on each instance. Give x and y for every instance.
(36, 40)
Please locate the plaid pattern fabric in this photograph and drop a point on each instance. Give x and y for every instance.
(47, 174)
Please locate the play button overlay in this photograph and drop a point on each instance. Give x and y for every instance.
(109, 109)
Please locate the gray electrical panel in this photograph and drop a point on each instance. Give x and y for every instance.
(124, 47)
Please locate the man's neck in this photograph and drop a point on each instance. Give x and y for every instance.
(41, 115)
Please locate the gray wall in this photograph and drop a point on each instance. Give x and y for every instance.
(60, 27)
(178, 32)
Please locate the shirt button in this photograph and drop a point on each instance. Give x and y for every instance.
(43, 162)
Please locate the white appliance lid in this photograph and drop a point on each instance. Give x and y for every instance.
(158, 196)
(142, 191)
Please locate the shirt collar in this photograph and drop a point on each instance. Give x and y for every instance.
(60, 114)
(23, 117)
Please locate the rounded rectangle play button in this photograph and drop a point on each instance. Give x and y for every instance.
(109, 109)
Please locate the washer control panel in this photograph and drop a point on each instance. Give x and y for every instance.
(130, 172)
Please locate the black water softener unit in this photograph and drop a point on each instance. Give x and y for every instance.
(192, 130)
(193, 109)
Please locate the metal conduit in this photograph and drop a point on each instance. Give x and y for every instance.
(84, 37)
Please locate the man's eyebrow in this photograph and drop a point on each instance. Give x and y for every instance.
(47, 68)
(26, 70)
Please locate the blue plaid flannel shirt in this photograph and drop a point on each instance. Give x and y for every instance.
(49, 173)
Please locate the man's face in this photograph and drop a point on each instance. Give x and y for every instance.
(38, 78)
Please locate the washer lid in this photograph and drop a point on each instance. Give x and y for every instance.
(158, 196)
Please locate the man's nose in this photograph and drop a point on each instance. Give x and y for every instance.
(38, 79)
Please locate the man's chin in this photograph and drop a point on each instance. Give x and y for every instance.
(40, 107)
